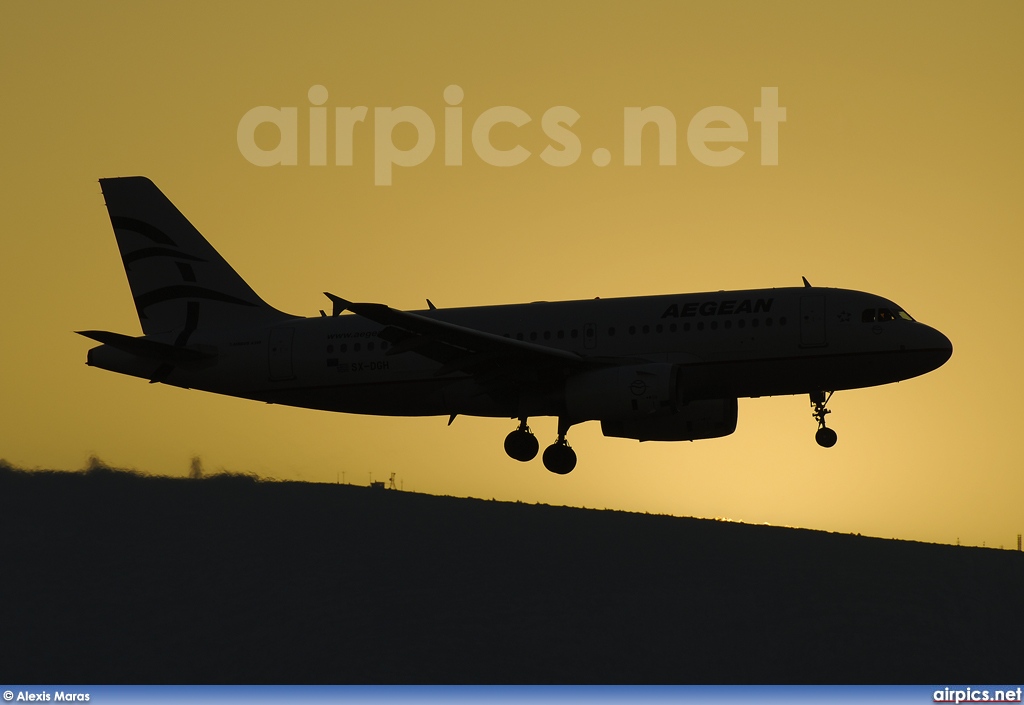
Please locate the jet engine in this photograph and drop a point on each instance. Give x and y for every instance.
(706, 418)
(646, 402)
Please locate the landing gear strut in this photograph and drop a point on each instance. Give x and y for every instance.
(521, 444)
(559, 457)
(825, 436)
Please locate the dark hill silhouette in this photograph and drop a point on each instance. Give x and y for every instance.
(115, 577)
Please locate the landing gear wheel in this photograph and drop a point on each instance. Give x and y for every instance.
(559, 458)
(521, 444)
(826, 437)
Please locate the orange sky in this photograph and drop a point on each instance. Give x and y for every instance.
(900, 169)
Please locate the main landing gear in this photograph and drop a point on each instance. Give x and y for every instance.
(521, 444)
(825, 436)
(559, 457)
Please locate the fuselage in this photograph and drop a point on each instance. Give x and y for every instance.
(724, 344)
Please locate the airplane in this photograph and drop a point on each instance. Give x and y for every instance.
(649, 368)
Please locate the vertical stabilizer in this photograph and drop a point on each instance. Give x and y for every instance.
(179, 282)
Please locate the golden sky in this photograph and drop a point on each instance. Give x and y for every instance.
(900, 167)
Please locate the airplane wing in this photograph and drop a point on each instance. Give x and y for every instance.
(462, 349)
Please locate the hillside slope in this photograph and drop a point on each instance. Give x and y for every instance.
(112, 577)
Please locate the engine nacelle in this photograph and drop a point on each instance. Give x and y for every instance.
(710, 418)
(626, 392)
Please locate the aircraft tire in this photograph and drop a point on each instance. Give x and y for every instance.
(559, 458)
(521, 446)
(826, 437)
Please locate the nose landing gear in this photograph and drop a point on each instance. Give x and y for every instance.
(825, 437)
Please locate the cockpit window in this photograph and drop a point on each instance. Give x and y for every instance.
(883, 315)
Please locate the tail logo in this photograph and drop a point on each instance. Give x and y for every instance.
(167, 293)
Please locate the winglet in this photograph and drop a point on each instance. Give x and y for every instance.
(431, 305)
(340, 304)
(806, 283)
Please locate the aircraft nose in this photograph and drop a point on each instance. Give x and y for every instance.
(940, 346)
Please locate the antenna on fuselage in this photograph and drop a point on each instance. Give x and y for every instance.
(806, 283)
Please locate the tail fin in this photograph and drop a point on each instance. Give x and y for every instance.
(179, 282)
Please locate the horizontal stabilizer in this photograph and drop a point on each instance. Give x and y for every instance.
(150, 349)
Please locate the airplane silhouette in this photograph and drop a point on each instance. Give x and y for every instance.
(650, 368)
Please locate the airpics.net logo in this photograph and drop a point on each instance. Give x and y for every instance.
(716, 125)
